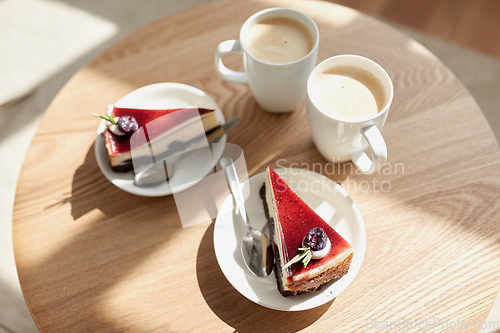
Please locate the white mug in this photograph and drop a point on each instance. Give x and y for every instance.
(276, 87)
(339, 140)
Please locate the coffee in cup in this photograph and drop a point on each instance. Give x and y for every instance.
(278, 40)
(348, 93)
(279, 48)
(348, 100)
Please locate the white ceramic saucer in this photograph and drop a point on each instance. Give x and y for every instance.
(327, 198)
(162, 96)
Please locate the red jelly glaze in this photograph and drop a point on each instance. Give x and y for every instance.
(121, 144)
(297, 218)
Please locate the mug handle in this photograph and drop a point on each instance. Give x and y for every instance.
(377, 145)
(226, 47)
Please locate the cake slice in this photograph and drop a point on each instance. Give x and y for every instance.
(294, 228)
(160, 127)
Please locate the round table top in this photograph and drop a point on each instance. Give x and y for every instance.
(91, 257)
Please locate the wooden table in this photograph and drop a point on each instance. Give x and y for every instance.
(93, 258)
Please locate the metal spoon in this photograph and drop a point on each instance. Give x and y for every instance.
(255, 246)
(157, 174)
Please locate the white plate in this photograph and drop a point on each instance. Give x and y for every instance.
(327, 198)
(162, 96)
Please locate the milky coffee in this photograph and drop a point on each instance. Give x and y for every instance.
(348, 93)
(278, 40)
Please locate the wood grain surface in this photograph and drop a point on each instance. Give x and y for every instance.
(92, 258)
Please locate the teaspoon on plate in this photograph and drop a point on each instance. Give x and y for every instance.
(255, 246)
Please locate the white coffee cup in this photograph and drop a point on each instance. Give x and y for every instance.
(276, 87)
(339, 140)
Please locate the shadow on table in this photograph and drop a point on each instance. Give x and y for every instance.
(87, 187)
(92, 260)
(236, 310)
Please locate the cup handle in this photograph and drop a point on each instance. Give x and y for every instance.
(377, 145)
(226, 47)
